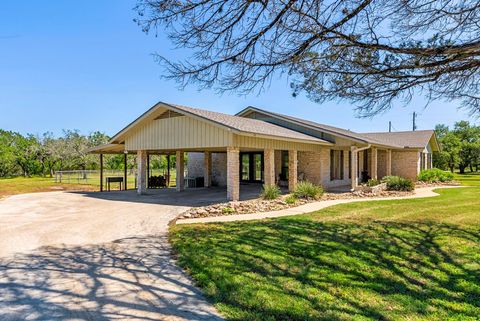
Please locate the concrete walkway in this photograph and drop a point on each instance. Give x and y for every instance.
(95, 256)
(308, 208)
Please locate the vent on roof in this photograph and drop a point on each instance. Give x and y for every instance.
(169, 114)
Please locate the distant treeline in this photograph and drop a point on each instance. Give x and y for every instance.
(460, 147)
(29, 155)
(43, 155)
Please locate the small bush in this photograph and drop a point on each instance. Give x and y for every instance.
(397, 183)
(373, 182)
(270, 192)
(228, 210)
(435, 175)
(291, 199)
(308, 190)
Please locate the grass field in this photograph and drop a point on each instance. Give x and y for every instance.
(468, 179)
(21, 185)
(409, 260)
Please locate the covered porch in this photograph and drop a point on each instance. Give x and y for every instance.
(369, 162)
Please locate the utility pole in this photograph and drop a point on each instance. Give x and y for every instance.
(413, 119)
(389, 126)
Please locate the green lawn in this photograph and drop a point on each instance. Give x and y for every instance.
(386, 260)
(469, 178)
(21, 185)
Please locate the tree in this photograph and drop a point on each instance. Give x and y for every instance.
(450, 150)
(370, 52)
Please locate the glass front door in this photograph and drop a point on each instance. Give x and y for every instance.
(251, 167)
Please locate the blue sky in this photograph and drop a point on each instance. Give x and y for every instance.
(86, 65)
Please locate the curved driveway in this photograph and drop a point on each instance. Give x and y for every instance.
(95, 256)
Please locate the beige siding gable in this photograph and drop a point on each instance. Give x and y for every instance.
(178, 133)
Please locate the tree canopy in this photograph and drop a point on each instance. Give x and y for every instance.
(371, 52)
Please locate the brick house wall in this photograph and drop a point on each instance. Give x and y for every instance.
(381, 163)
(196, 163)
(406, 163)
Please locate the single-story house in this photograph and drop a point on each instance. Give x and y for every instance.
(259, 146)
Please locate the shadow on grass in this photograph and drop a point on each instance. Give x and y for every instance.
(130, 279)
(301, 269)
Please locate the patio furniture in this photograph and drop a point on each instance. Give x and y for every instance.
(157, 181)
(114, 179)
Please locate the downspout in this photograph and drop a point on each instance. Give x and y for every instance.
(356, 150)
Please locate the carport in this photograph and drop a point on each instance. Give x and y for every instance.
(167, 129)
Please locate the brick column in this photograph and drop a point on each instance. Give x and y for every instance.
(269, 163)
(354, 169)
(425, 160)
(233, 174)
(389, 162)
(179, 165)
(141, 172)
(292, 169)
(207, 170)
(374, 165)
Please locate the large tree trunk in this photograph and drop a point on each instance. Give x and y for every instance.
(462, 168)
(452, 168)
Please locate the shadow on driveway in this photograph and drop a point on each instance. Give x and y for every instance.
(132, 278)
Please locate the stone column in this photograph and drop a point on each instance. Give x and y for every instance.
(354, 169)
(180, 179)
(207, 170)
(141, 172)
(374, 164)
(233, 174)
(292, 170)
(269, 164)
(389, 162)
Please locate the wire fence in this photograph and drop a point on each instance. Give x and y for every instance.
(92, 177)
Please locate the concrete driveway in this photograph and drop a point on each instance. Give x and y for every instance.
(96, 256)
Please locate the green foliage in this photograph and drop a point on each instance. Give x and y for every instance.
(307, 189)
(460, 147)
(270, 192)
(228, 210)
(373, 182)
(291, 199)
(397, 183)
(435, 175)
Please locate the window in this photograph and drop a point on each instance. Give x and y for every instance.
(349, 164)
(284, 172)
(336, 165)
(422, 161)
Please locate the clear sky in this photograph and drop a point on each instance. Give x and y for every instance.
(86, 65)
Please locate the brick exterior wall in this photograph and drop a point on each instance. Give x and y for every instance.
(406, 164)
(233, 174)
(196, 162)
(315, 167)
(309, 167)
(382, 164)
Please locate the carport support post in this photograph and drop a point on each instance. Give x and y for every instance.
(354, 167)
(180, 179)
(374, 165)
(269, 171)
(292, 170)
(208, 169)
(389, 162)
(233, 174)
(125, 187)
(142, 172)
(101, 172)
(168, 170)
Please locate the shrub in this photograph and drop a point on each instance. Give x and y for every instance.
(270, 192)
(373, 182)
(308, 190)
(291, 199)
(435, 175)
(228, 210)
(397, 183)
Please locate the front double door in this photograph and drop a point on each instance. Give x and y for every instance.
(251, 167)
